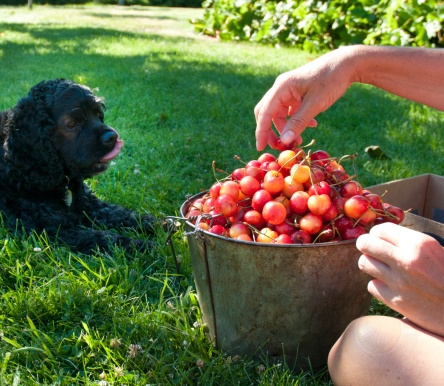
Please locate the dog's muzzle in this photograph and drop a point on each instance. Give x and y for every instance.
(109, 137)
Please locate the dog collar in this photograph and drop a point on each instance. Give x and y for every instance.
(68, 197)
(68, 194)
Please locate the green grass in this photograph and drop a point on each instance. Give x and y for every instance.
(179, 101)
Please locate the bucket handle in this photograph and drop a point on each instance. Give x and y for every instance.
(172, 222)
(171, 227)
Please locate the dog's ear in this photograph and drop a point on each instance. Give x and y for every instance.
(3, 119)
(32, 162)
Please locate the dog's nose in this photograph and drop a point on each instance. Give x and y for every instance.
(109, 137)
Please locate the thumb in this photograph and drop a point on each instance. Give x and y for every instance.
(294, 127)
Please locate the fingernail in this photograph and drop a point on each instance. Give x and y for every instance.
(287, 137)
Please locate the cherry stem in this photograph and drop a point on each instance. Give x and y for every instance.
(237, 158)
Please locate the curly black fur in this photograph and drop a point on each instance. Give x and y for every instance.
(53, 139)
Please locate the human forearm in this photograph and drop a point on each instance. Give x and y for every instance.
(413, 73)
(301, 94)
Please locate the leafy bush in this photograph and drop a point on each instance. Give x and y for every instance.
(320, 25)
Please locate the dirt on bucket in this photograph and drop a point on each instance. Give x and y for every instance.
(277, 302)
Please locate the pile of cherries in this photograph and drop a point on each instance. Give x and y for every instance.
(293, 198)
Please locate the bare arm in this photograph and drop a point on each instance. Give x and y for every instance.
(413, 73)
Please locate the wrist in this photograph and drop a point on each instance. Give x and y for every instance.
(356, 58)
(350, 58)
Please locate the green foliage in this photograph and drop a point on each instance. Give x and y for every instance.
(321, 25)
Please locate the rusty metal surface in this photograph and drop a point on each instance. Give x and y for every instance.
(278, 301)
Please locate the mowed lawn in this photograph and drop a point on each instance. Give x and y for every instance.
(179, 101)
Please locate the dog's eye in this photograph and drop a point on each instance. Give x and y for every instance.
(71, 125)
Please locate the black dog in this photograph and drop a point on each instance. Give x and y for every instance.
(53, 139)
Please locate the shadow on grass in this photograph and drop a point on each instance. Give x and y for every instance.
(178, 99)
(132, 16)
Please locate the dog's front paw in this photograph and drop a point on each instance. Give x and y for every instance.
(149, 223)
(138, 245)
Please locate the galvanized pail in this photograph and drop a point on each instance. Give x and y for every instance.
(279, 302)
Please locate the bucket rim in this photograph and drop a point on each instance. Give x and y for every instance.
(252, 243)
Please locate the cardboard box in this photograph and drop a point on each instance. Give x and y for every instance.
(423, 195)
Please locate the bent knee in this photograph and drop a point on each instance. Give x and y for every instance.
(361, 349)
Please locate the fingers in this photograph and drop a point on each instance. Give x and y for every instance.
(276, 105)
(392, 233)
(383, 293)
(373, 244)
(298, 122)
(264, 116)
(268, 112)
(382, 274)
(263, 132)
(374, 267)
(386, 241)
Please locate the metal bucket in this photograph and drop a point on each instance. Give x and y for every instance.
(280, 302)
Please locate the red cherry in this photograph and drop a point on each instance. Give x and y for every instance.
(254, 163)
(237, 229)
(266, 235)
(249, 185)
(356, 206)
(299, 202)
(283, 239)
(350, 189)
(230, 188)
(274, 182)
(352, 233)
(374, 200)
(322, 187)
(215, 189)
(326, 234)
(284, 228)
(300, 237)
(266, 157)
(281, 147)
(331, 213)
(320, 155)
(319, 204)
(218, 230)
(260, 198)
(255, 172)
(311, 223)
(394, 214)
(225, 205)
(217, 219)
(238, 174)
(254, 218)
(274, 212)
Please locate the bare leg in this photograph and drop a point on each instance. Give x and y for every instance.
(380, 350)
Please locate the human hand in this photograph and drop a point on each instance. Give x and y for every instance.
(408, 268)
(301, 95)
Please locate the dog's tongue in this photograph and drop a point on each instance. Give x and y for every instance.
(113, 153)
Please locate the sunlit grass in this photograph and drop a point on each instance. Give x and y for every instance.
(179, 101)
